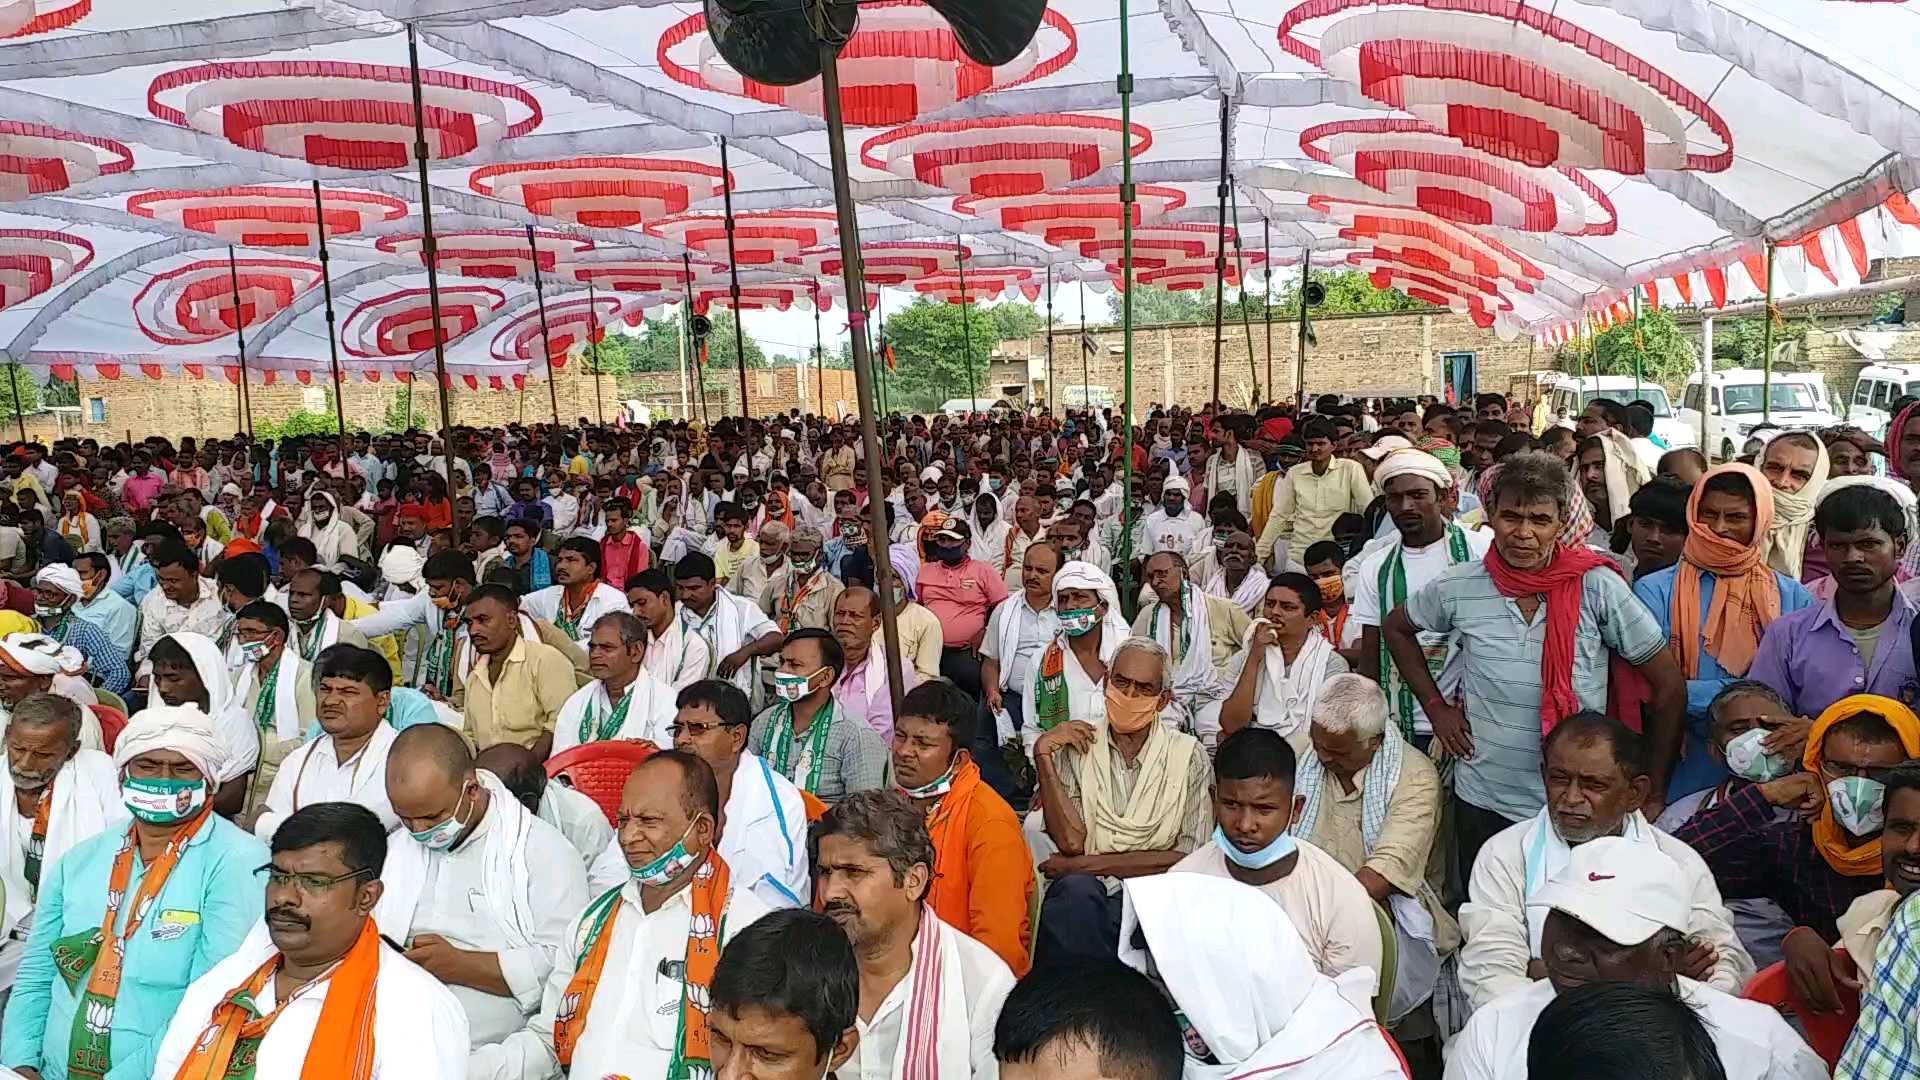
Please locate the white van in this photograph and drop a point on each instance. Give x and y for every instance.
(1733, 400)
(1868, 408)
(1567, 395)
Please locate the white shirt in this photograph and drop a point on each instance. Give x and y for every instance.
(1163, 533)
(633, 1024)
(678, 658)
(545, 604)
(1421, 565)
(160, 616)
(730, 623)
(648, 713)
(314, 774)
(1753, 1041)
(578, 818)
(418, 1028)
(1034, 629)
(986, 982)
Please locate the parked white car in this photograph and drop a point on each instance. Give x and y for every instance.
(1733, 400)
(1567, 395)
(1869, 406)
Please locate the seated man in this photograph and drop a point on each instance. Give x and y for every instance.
(785, 991)
(578, 817)
(651, 944)
(675, 655)
(1596, 776)
(348, 761)
(931, 993)
(1813, 871)
(100, 605)
(56, 596)
(1200, 632)
(29, 664)
(183, 601)
(467, 837)
(624, 700)
(1284, 1018)
(1091, 1018)
(1618, 912)
(864, 687)
(577, 598)
(735, 631)
(315, 625)
(516, 687)
(268, 1008)
(1122, 798)
(1600, 1031)
(189, 669)
(1067, 677)
(54, 794)
(1253, 808)
(984, 888)
(1865, 923)
(810, 737)
(85, 1005)
(1372, 802)
(274, 691)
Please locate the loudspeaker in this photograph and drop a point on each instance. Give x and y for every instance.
(1315, 294)
(702, 326)
(775, 41)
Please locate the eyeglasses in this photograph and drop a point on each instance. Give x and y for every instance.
(1837, 770)
(693, 728)
(309, 884)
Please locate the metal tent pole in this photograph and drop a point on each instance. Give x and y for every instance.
(1127, 199)
(693, 364)
(880, 354)
(1246, 323)
(819, 349)
(20, 418)
(1267, 275)
(1300, 345)
(593, 344)
(333, 337)
(546, 342)
(242, 398)
(1086, 380)
(733, 271)
(966, 325)
(1639, 347)
(1766, 362)
(1220, 241)
(851, 272)
(1050, 393)
(429, 251)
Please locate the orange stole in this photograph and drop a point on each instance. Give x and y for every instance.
(952, 892)
(342, 1046)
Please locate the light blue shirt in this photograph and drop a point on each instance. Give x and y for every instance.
(115, 616)
(203, 912)
(1696, 770)
(134, 585)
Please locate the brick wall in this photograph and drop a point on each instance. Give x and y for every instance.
(769, 391)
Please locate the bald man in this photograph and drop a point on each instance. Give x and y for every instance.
(578, 818)
(479, 890)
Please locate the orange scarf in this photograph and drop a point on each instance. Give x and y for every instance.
(342, 1046)
(709, 901)
(783, 515)
(33, 858)
(1828, 839)
(1746, 596)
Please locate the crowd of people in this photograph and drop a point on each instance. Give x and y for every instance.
(1354, 740)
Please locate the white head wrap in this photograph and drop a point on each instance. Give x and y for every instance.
(1176, 483)
(1902, 494)
(1412, 463)
(59, 576)
(38, 654)
(183, 729)
(401, 565)
(930, 474)
(1085, 575)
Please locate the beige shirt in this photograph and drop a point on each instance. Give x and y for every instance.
(1864, 923)
(1305, 506)
(1226, 624)
(273, 749)
(921, 638)
(836, 468)
(815, 609)
(1404, 853)
(1196, 819)
(1326, 902)
(520, 707)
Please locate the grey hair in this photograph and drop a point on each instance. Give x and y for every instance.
(45, 710)
(1532, 476)
(775, 532)
(887, 822)
(808, 533)
(1351, 703)
(1743, 688)
(1152, 648)
(628, 625)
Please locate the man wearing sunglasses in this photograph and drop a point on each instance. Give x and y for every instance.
(321, 993)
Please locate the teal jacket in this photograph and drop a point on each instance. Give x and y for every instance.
(205, 909)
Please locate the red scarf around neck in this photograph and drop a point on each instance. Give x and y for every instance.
(1559, 582)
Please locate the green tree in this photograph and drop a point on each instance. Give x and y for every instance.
(1742, 342)
(657, 346)
(298, 422)
(1664, 352)
(931, 342)
(60, 392)
(395, 418)
(1348, 292)
(19, 381)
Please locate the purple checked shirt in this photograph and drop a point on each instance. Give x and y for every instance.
(1810, 658)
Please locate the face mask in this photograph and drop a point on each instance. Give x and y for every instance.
(1127, 714)
(1078, 621)
(803, 566)
(1332, 589)
(1281, 847)
(750, 503)
(442, 836)
(1221, 538)
(254, 651)
(163, 802)
(950, 556)
(43, 611)
(936, 789)
(1748, 759)
(663, 870)
(993, 483)
(1858, 804)
(792, 687)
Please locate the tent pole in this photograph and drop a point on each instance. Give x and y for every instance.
(430, 252)
(1639, 344)
(1086, 380)
(1300, 345)
(1268, 311)
(1050, 393)
(819, 349)
(966, 325)
(692, 360)
(1766, 362)
(333, 339)
(733, 271)
(20, 418)
(546, 342)
(851, 272)
(240, 332)
(1220, 242)
(1246, 321)
(1124, 561)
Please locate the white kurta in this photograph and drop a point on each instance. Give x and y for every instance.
(985, 979)
(732, 621)
(315, 774)
(418, 1027)
(545, 604)
(648, 714)
(86, 801)
(678, 658)
(633, 1024)
(578, 818)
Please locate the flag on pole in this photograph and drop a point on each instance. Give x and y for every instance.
(703, 354)
(886, 350)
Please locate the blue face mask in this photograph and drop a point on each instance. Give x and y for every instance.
(1282, 846)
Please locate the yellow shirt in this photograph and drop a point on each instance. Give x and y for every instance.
(1305, 507)
(519, 708)
(578, 466)
(921, 638)
(727, 561)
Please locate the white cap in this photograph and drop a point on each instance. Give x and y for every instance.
(1625, 890)
(1387, 445)
(930, 474)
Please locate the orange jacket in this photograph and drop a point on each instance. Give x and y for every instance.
(984, 883)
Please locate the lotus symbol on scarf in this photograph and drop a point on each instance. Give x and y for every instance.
(99, 1017)
(705, 871)
(699, 1072)
(701, 927)
(115, 896)
(697, 996)
(569, 1004)
(145, 907)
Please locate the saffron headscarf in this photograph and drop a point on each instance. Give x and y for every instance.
(1828, 839)
(1746, 595)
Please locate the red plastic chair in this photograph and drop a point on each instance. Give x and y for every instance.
(599, 770)
(1826, 1032)
(112, 722)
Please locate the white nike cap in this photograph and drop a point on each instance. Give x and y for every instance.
(1624, 889)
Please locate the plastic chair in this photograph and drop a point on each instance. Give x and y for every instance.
(112, 722)
(111, 700)
(599, 770)
(1826, 1032)
(1389, 965)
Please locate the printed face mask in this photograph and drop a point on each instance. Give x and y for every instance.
(163, 802)
(791, 687)
(1748, 759)
(254, 651)
(441, 837)
(1858, 804)
(1078, 621)
(663, 870)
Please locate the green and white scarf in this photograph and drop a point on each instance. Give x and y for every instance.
(1393, 593)
(780, 743)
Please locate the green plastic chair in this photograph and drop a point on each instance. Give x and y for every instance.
(1389, 964)
(110, 699)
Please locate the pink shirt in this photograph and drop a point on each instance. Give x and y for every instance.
(139, 491)
(621, 559)
(961, 597)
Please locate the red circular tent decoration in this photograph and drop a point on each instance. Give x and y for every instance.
(401, 323)
(1433, 289)
(267, 216)
(605, 192)
(35, 260)
(24, 18)
(902, 62)
(760, 236)
(195, 303)
(982, 283)
(569, 322)
(765, 296)
(490, 253)
(1002, 155)
(343, 115)
(1416, 165)
(1179, 277)
(1158, 246)
(39, 160)
(1513, 80)
(890, 263)
(641, 275)
(1422, 240)
(1075, 214)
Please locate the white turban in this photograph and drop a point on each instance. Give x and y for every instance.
(1176, 483)
(1901, 493)
(230, 489)
(930, 474)
(183, 729)
(38, 654)
(59, 576)
(401, 565)
(1085, 575)
(1412, 463)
